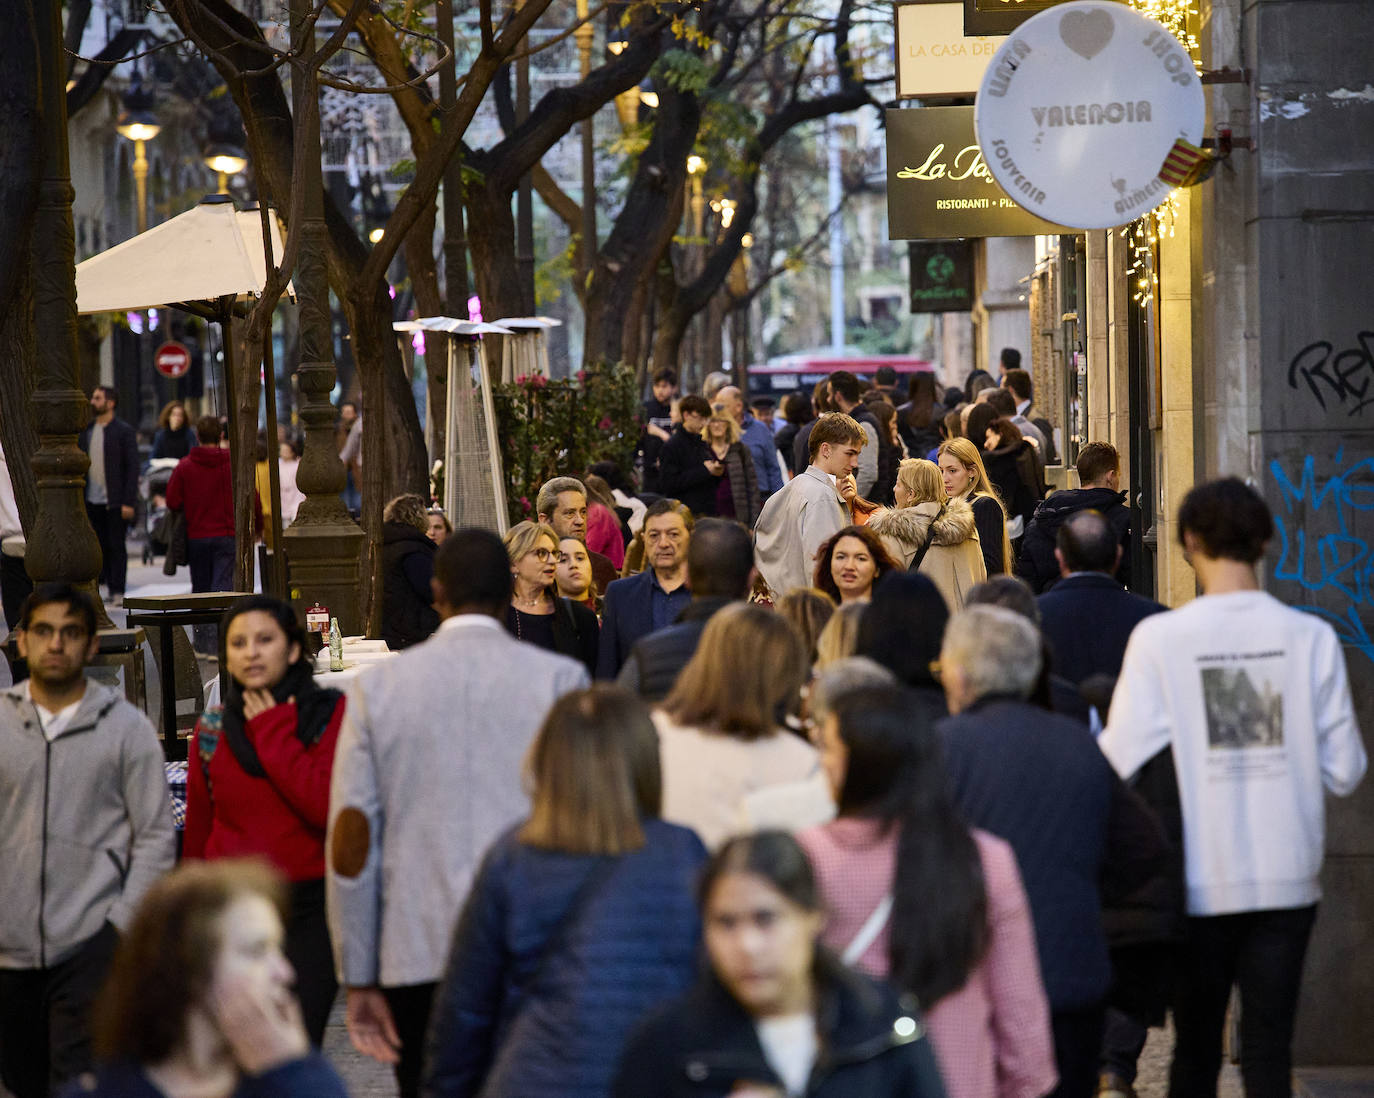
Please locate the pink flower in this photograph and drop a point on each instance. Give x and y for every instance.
(605, 424)
(524, 503)
(581, 375)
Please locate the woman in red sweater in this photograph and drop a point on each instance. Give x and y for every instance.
(258, 783)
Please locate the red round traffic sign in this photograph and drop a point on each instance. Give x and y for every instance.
(172, 359)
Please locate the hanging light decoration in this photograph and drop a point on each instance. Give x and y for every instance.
(1143, 234)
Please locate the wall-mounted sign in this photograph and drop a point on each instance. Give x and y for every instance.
(1080, 109)
(938, 184)
(934, 57)
(941, 276)
(1000, 16)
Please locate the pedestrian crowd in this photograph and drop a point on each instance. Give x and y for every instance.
(839, 761)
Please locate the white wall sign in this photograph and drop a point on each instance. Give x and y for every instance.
(934, 57)
(1079, 109)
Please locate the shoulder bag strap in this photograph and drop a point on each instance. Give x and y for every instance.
(915, 565)
(868, 933)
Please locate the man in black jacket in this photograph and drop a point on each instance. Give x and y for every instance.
(687, 467)
(1037, 780)
(111, 486)
(1088, 616)
(720, 570)
(1099, 473)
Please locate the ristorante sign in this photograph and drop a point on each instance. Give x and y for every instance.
(938, 183)
(1080, 109)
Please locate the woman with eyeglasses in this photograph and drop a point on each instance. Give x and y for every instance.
(538, 614)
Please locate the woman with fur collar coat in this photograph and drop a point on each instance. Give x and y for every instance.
(931, 533)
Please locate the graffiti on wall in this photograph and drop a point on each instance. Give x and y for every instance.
(1319, 550)
(1335, 379)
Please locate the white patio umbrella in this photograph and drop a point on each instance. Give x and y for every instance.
(208, 261)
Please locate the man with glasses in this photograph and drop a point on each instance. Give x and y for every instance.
(639, 605)
(87, 828)
(562, 503)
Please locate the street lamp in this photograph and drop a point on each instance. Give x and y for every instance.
(225, 160)
(696, 166)
(137, 123)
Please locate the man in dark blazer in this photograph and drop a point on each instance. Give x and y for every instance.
(1088, 616)
(720, 570)
(111, 486)
(653, 599)
(1038, 780)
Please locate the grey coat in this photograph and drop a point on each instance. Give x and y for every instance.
(793, 526)
(427, 775)
(85, 824)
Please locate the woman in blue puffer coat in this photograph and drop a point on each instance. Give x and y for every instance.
(580, 919)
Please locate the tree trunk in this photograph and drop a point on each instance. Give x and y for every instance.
(491, 242)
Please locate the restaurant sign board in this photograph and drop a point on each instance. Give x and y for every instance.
(938, 183)
(934, 56)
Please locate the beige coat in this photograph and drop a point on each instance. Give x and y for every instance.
(718, 784)
(954, 561)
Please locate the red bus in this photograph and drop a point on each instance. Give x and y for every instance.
(790, 373)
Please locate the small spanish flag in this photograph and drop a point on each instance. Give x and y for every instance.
(1186, 165)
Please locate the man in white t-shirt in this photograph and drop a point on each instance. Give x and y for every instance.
(1253, 700)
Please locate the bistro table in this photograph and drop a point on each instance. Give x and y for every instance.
(167, 612)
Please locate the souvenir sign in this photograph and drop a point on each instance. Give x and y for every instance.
(1081, 107)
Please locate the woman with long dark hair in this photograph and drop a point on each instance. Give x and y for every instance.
(776, 1014)
(199, 1002)
(580, 919)
(902, 630)
(258, 779)
(917, 898)
(850, 563)
(918, 420)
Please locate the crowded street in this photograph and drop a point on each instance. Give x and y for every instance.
(686, 549)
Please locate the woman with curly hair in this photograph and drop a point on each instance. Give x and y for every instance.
(850, 563)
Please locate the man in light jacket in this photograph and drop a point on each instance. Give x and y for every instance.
(85, 829)
(427, 775)
(796, 521)
(1252, 699)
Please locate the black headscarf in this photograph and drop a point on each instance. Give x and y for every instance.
(315, 705)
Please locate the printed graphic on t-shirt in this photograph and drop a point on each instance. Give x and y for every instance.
(1244, 700)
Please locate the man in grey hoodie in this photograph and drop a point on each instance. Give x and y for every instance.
(85, 829)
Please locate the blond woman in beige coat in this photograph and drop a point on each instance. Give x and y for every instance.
(925, 516)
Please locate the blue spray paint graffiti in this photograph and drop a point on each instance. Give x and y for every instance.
(1337, 564)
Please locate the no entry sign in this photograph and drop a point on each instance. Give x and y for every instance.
(172, 359)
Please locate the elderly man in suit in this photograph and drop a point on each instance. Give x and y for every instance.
(639, 605)
(796, 521)
(1037, 780)
(426, 775)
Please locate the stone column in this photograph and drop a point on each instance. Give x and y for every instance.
(61, 544)
(323, 546)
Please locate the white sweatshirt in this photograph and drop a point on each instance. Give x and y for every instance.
(1253, 697)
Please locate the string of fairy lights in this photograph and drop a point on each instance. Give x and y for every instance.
(1142, 234)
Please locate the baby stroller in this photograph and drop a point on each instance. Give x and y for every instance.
(152, 487)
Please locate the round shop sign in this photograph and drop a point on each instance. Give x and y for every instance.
(1079, 109)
